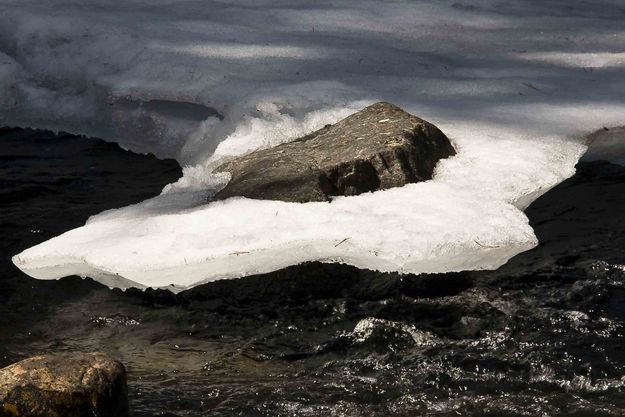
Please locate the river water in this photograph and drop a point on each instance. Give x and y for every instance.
(541, 336)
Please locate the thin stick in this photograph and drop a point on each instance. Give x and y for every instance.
(485, 246)
(237, 253)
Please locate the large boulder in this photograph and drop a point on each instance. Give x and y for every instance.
(64, 385)
(379, 147)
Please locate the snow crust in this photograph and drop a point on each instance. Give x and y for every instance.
(514, 84)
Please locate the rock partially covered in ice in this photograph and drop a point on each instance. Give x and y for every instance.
(606, 144)
(64, 385)
(379, 147)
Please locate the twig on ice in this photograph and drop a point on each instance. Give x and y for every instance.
(342, 241)
(485, 246)
(532, 86)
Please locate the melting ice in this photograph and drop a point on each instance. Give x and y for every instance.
(515, 85)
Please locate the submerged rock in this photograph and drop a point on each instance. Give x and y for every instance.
(379, 147)
(64, 385)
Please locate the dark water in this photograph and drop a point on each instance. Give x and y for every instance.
(541, 336)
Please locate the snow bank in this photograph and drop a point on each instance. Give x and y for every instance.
(513, 83)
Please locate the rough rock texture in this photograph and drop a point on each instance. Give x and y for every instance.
(64, 385)
(379, 147)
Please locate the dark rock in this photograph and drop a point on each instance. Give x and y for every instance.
(379, 147)
(64, 385)
(606, 144)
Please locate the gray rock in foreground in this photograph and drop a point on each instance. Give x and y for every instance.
(64, 385)
(379, 147)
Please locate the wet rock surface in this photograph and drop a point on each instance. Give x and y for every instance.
(379, 147)
(64, 385)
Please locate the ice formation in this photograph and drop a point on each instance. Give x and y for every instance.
(514, 84)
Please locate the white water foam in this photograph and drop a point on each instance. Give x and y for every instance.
(514, 84)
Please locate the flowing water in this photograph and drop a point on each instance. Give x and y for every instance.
(541, 336)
